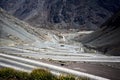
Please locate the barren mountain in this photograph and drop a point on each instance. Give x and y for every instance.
(66, 14)
(107, 38)
(16, 32)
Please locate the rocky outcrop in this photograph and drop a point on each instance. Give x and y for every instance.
(66, 14)
(107, 38)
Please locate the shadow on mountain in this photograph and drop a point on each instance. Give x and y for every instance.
(107, 38)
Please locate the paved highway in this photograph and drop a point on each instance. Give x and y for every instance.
(62, 56)
(29, 64)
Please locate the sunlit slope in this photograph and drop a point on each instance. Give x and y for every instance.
(13, 31)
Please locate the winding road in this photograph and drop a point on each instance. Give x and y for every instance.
(14, 59)
(29, 64)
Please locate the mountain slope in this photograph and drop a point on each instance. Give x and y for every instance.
(107, 38)
(15, 32)
(66, 14)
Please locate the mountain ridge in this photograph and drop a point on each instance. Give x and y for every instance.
(62, 14)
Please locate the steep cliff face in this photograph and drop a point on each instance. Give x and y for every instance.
(107, 38)
(83, 14)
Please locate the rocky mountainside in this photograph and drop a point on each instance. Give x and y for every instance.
(107, 38)
(17, 37)
(66, 14)
(15, 32)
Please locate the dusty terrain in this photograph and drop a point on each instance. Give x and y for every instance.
(20, 39)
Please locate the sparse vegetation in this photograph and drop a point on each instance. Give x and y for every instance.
(37, 74)
(11, 74)
(41, 74)
(68, 77)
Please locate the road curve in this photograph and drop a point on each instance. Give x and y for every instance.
(59, 56)
(28, 62)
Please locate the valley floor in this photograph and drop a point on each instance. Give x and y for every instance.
(68, 55)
